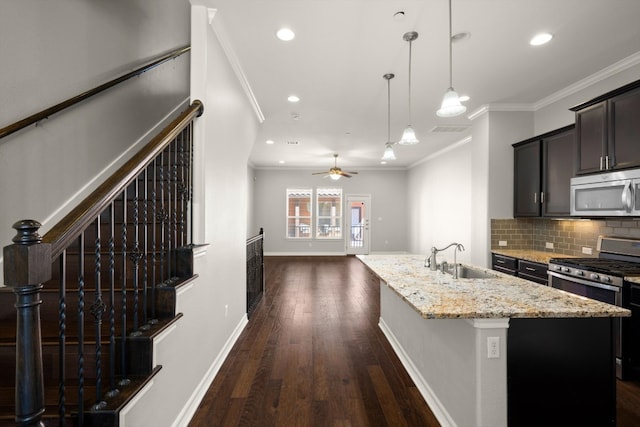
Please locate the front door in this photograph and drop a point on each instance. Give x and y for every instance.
(357, 236)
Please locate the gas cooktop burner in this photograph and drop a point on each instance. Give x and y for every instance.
(600, 265)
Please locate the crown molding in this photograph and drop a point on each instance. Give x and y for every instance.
(500, 108)
(611, 70)
(440, 152)
(221, 34)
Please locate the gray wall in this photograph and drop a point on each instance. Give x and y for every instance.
(388, 190)
(55, 50)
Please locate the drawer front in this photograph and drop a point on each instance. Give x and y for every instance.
(528, 268)
(504, 262)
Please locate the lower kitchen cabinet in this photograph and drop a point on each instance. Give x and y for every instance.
(532, 271)
(504, 264)
(528, 270)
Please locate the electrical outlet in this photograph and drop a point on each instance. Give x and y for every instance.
(548, 245)
(587, 250)
(502, 243)
(493, 347)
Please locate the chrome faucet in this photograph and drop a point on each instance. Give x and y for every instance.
(432, 263)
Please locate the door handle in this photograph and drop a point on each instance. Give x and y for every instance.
(627, 197)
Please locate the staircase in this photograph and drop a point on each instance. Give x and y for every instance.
(106, 277)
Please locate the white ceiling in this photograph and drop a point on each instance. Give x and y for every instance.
(343, 48)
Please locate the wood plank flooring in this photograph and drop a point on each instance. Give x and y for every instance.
(313, 355)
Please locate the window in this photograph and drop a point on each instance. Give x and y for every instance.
(299, 213)
(329, 213)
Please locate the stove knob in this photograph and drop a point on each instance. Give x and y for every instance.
(566, 270)
(580, 273)
(605, 278)
(557, 268)
(595, 276)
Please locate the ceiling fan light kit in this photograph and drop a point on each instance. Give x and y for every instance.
(335, 173)
(409, 135)
(451, 105)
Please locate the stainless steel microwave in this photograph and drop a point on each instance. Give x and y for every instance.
(606, 194)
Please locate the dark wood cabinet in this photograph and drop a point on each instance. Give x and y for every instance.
(608, 131)
(532, 271)
(504, 264)
(526, 181)
(543, 167)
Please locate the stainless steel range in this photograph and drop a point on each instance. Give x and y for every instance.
(603, 279)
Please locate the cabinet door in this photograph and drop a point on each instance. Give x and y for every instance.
(591, 138)
(526, 182)
(557, 170)
(624, 130)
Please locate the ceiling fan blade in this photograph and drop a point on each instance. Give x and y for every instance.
(353, 173)
(318, 173)
(345, 174)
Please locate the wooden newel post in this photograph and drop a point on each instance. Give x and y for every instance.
(27, 264)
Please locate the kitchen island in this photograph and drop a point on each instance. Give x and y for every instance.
(500, 350)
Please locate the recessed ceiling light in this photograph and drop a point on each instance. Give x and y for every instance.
(464, 98)
(398, 16)
(293, 98)
(383, 162)
(285, 34)
(540, 39)
(270, 142)
(281, 162)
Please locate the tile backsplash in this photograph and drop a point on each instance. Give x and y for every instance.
(568, 237)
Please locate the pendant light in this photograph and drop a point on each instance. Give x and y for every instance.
(388, 147)
(409, 135)
(451, 105)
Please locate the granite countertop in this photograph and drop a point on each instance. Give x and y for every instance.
(436, 295)
(530, 255)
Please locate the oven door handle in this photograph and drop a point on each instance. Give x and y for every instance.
(582, 282)
(627, 197)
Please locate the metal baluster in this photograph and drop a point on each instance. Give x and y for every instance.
(123, 315)
(113, 391)
(81, 330)
(135, 258)
(154, 231)
(97, 310)
(162, 217)
(145, 239)
(170, 212)
(62, 338)
(182, 188)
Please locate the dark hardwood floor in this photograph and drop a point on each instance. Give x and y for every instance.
(313, 355)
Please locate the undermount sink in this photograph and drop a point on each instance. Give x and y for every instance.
(466, 272)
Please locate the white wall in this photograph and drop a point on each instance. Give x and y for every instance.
(215, 306)
(439, 202)
(56, 50)
(388, 190)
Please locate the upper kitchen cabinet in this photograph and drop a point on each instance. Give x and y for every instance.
(543, 167)
(608, 131)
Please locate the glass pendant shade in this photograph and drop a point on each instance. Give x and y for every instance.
(334, 176)
(451, 105)
(388, 153)
(408, 137)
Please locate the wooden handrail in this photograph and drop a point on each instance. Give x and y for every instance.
(35, 118)
(61, 235)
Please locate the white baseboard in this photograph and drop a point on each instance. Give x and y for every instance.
(439, 411)
(305, 253)
(190, 407)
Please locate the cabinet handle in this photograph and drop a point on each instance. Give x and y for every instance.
(535, 198)
(600, 162)
(530, 269)
(606, 162)
(542, 197)
(499, 261)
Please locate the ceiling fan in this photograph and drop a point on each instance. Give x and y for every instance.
(335, 172)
